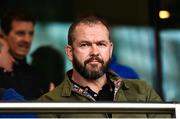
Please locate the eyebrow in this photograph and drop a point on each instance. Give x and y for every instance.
(85, 41)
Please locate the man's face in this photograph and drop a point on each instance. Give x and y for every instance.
(91, 50)
(20, 38)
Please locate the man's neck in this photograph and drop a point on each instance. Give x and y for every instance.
(19, 61)
(17, 57)
(95, 85)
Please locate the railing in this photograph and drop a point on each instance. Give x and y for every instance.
(59, 107)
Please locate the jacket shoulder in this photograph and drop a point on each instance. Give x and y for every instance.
(59, 93)
(53, 95)
(142, 89)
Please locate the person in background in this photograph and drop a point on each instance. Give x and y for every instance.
(6, 64)
(90, 50)
(51, 64)
(17, 27)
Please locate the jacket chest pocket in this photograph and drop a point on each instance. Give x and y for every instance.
(129, 96)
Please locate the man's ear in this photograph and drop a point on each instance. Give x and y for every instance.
(111, 51)
(68, 50)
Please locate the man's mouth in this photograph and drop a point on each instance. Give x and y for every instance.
(94, 60)
(22, 45)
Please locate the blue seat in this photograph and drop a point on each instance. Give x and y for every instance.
(11, 95)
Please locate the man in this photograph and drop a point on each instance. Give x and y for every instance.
(6, 64)
(90, 49)
(18, 30)
(51, 63)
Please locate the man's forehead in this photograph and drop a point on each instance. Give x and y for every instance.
(19, 22)
(23, 25)
(94, 27)
(97, 30)
(82, 24)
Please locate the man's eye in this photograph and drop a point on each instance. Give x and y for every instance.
(101, 44)
(31, 33)
(83, 45)
(20, 33)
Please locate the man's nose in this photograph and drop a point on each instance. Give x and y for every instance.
(94, 50)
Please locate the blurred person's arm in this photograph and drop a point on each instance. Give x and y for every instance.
(6, 60)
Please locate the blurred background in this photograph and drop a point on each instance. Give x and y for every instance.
(146, 34)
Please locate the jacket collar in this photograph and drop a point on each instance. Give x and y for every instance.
(20, 61)
(68, 87)
(116, 78)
